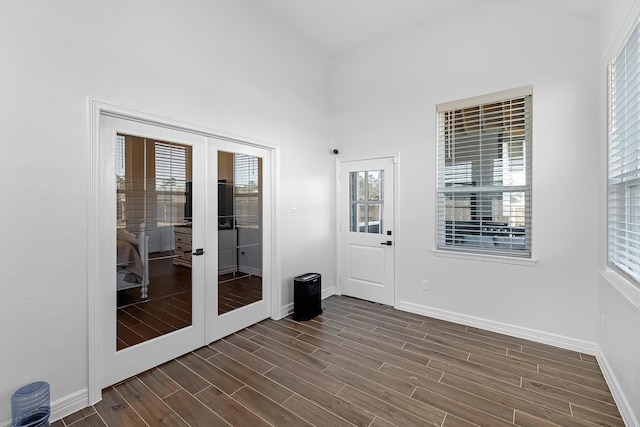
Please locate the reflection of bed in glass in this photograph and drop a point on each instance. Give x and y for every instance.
(132, 269)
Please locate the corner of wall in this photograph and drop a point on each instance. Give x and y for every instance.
(619, 397)
(288, 308)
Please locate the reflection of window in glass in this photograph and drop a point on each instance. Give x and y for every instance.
(247, 189)
(121, 196)
(484, 175)
(152, 182)
(366, 200)
(171, 181)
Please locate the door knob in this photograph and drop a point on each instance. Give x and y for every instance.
(387, 243)
(199, 251)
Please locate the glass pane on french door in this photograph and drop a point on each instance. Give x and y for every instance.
(154, 188)
(239, 231)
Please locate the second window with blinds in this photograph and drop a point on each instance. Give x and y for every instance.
(484, 174)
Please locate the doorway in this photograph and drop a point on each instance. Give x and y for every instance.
(157, 190)
(368, 229)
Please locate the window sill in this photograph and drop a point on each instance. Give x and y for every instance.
(527, 262)
(623, 286)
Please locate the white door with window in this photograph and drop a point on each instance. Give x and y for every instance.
(367, 235)
(183, 220)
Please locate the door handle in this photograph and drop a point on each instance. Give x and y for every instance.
(387, 243)
(199, 252)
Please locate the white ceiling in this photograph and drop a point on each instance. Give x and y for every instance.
(339, 25)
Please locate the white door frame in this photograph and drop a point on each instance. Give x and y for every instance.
(96, 109)
(396, 214)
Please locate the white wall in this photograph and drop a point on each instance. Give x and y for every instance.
(619, 300)
(220, 64)
(384, 98)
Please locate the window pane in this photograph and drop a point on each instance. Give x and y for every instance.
(362, 218)
(153, 183)
(374, 183)
(484, 177)
(246, 175)
(361, 186)
(366, 201)
(246, 190)
(624, 159)
(171, 182)
(374, 219)
(353, 218)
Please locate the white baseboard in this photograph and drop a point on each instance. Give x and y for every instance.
(623, 404)
(64, 406)
(227, 270)
(326, 293)
(288, 309)
(250, 270)
(556, 340)
(568, 343)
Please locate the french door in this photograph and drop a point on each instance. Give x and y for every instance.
(160, 244)
(241, 270)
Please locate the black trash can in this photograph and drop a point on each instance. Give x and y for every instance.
(307, 296)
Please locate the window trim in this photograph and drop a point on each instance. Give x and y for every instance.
(479, 253)
(485, 99)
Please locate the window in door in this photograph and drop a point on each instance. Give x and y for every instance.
(240, 231)
(153, 239)
(247, 190)
(366, 201)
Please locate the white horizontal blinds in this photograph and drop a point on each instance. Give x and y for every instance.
(121, 195)
(120, 170)
(624, 158)
(171, 164)
(247, 188)
(484, 176)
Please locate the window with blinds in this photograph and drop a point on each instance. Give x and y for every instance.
(121, 195)
(624, 158)
(171, 167)
(171, 162)
(484, 174)
(247, 188)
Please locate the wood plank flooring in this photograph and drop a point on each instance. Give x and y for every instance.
(168, 306)
(237, 290)
(362, 364)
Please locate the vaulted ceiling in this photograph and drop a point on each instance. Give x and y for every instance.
(336, 26)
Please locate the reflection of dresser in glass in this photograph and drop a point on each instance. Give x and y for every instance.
(182, 234)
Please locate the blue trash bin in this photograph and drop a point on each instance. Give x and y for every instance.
(31, 405)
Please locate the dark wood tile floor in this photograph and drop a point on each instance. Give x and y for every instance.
(238, 290)
(168, 306)
(362, 364)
